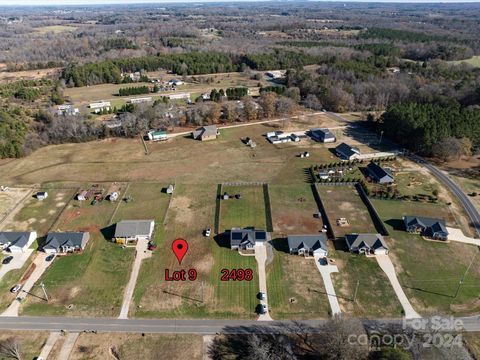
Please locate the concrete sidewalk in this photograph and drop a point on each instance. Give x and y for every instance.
(141, 253)
(68, 346)
(325, 271)
(457, 235)
(261, 258)
(47, 348)
(386, 265)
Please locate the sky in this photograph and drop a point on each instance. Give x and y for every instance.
(96, 2)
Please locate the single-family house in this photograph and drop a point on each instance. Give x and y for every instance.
(65, 242)
(17, 242)
(366, 244)
(429, 227)
(64, 110)
(247, 238)
(100, 106)
(140, 100)
(308, 245)
(204, 133)
(379, 174)
(41, 195)
(128, 232)
(157, 135)
(346, 152)
(322, 135)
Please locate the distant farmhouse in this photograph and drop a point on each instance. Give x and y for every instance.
(157, 135)
(128, 232)
(16, 242)
(322, 135)
(246, 239)
(65, 242)
(64, 110)
(346, 152)
(379, 174)
(308, 245)
(100, 106)
(368, 244)
(428, 227)
(204, 133)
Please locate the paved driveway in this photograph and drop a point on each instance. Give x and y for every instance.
(457, 235)
(261, 257)
(40, 266)
(141, 253)
(325, 270)
(386, 265)
(17, 262)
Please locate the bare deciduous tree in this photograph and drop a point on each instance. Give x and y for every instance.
(11, 349)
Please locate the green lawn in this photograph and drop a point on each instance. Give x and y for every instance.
(375, 295)
(415, 183)
(247, 211)
(91, 281)
(430, 271)
(295, 288)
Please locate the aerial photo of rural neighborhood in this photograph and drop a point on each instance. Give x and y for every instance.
(240, 181)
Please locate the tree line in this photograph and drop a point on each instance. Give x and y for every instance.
(135, 90)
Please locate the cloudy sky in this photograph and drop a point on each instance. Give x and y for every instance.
(81, 2)
(78, 2)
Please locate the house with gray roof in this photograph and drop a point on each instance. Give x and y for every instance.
(16, 242)
(379, 174)
(204, 133)
(308, 245)
(346, 152)
(428, 227)
(247, 238)
(368, 244)
(128, 232)
(65, 242)
(322, 135)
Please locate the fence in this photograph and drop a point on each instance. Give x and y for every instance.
(373, 212)
(268, 208)
(241, 183)
(325, 218)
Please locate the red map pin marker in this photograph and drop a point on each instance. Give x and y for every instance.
(179, 248)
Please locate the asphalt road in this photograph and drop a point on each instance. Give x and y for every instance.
(172, 326)
(470, 209)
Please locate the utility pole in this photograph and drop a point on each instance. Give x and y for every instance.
(381, 136)
(42, 285)
(460, 283)
(203, 293)
(356, 290)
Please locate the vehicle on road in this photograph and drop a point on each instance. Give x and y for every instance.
(7, 260)
(50, 257)
(15, 288)
(207, 232)
(262, 296)
(262, 309)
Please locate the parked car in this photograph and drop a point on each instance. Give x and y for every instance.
(262, 296)
(262, 309)
(208, 232)
(50, 257)
(16, 288)
(151, 246)
(7, 260)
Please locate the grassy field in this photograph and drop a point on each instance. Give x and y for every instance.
(415, 183)
(39, 216)
(136, 346)
(474, 61)
(430, 271)
(293, 208)
(295, 288)
(345, 202)
(247, 211)
(375, 295)
(9, 199)
(91, 282)
(30, 342)
(57, 29)
(191, 211)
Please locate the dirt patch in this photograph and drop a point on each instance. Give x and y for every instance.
(346, 206)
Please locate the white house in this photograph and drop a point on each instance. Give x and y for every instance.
(128, 232)
(17, 242)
